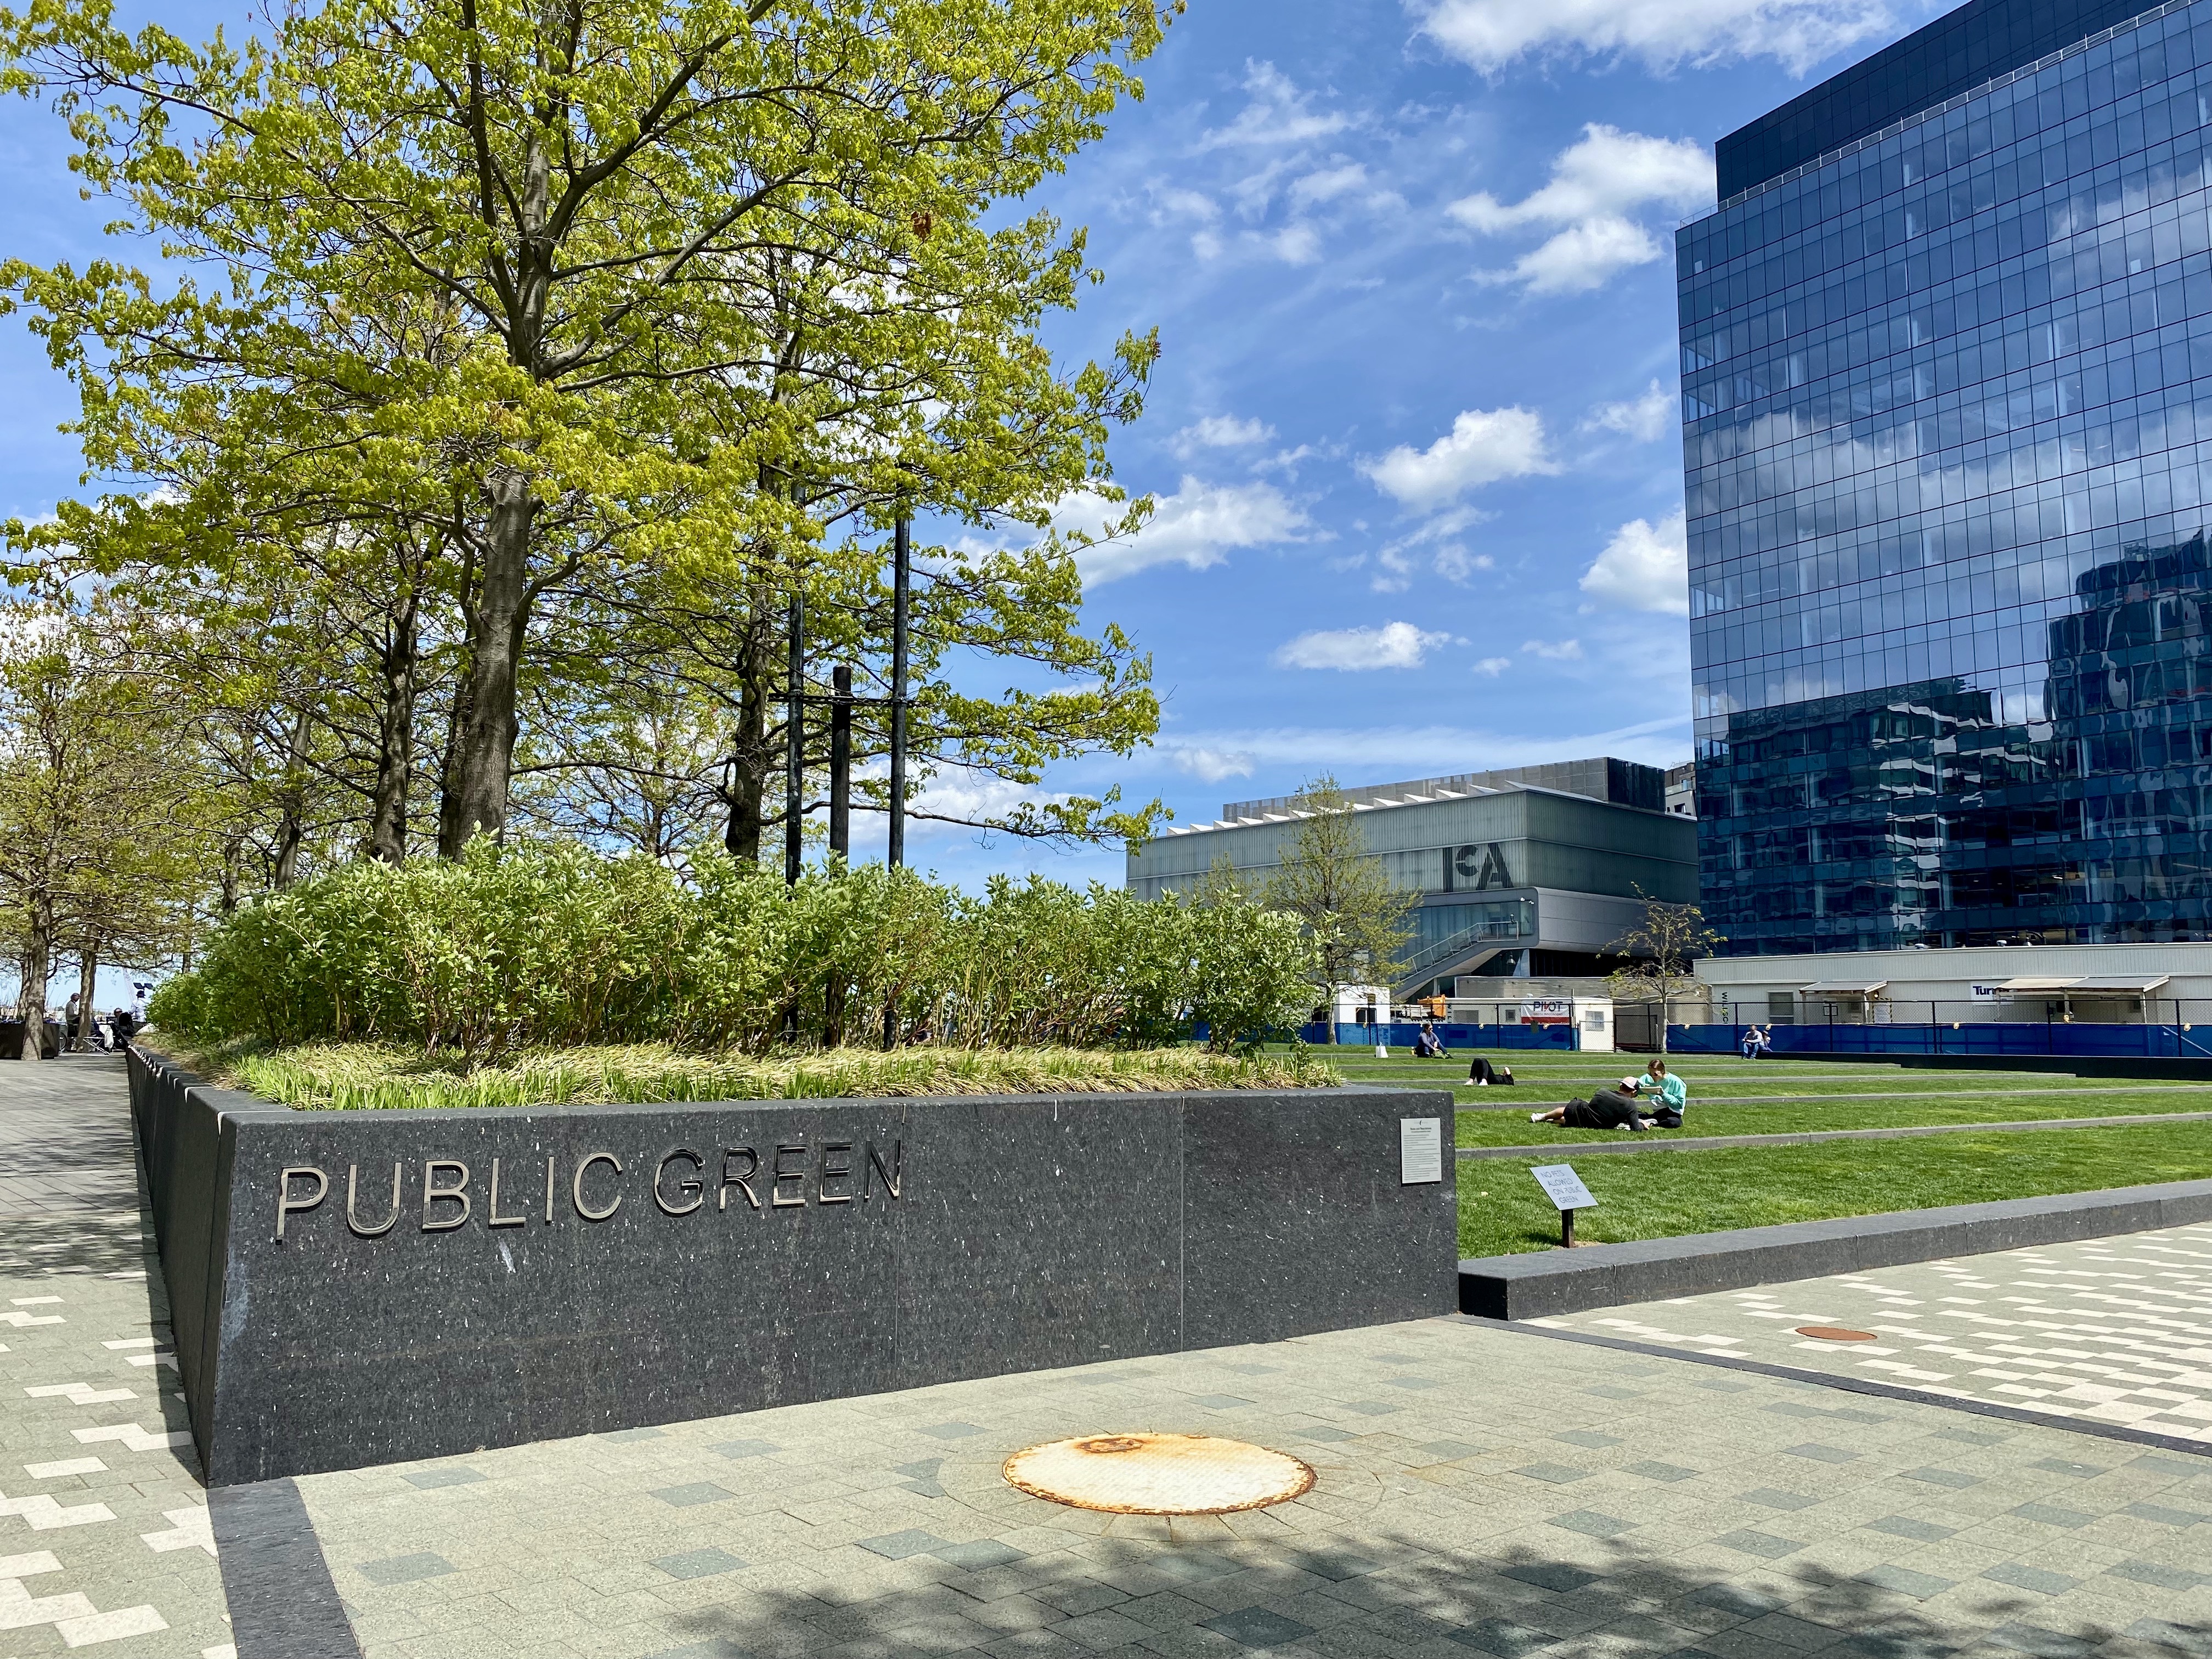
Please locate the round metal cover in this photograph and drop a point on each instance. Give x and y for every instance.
(1158, 1474)
(1836, 1334)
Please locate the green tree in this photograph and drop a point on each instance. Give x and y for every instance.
(98, 832)
(1342, 894)
(703, 280)
(1663, 951)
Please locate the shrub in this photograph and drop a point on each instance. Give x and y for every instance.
(551, 944)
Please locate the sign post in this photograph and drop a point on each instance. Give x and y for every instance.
(1566, 1190)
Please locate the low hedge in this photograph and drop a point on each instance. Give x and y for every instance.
(554, 945)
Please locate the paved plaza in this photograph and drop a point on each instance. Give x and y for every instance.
(2111, 1330)
(1481, 1489)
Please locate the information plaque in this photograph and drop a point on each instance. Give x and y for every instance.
(1420, 1150)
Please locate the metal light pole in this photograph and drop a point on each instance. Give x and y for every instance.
(902, 575)
(794, 763)
(840, 760)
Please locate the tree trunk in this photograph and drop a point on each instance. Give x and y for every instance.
(395, 740)
(486, 723)
(292, 827)
(87, 978)
(38, 949)
(749, 774)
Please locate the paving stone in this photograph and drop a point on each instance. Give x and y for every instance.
(2023, 1577)
(1667, 1472)
(1768, 1497)
(1821, 1454)
(983, 1554)
(1904, 1526)
(898, 1546)
(1763, 1544)
(1549, 1575)
(2044, 1644)
(2051, 1516)
(1589, 1437)
(1592, 1524)
(1258, 1627)
(2157, 1573)
(692, 1494)
(1905, 1582)
(742, 1449)
(698, 1564)
(1502, 1637)
(1557, 1475)
(1954, 1479)
(404, 1568)
(429, 1479)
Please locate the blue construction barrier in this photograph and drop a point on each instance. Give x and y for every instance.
(1992, 1037)
(1455, 1036)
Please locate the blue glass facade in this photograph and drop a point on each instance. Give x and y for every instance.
(1947, 446)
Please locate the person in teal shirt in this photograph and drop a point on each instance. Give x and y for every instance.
(1659, 1084)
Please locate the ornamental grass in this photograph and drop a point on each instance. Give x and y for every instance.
(380, 1076)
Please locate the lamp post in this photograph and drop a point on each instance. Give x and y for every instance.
(794, 758)
(902, 580)
(840, 760)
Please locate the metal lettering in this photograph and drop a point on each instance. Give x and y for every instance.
(777, 1200)
(825, 1173)
(285, 1206)
(492, 1217)
(576, 1186)
(691, 1185)
(432, 1193)
(549, 1189)
(353, 1218)
(875, 1167)
(743, 1181)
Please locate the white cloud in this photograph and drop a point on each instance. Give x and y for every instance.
(1484, 445)
(1645, 567)
(1491, 33)
(1327, 185)
(1596, 183)
(1393, 645)
(1455, 564)
(1222, 432)
(1294, 245)
(1279, 115)
(1369, 750)
(1196, 526)
(1494, 666)
(1211, 764)
(1564, 651)
(1646, 419)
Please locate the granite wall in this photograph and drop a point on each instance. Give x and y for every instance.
(568, 1270)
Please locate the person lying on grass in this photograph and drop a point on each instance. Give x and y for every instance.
(1659, 1084)
(1608, 1109)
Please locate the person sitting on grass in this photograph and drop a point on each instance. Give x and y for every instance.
(1427, 1045)
(1608, 1109)
(1672, 1094)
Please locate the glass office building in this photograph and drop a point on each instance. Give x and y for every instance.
(1946, 353)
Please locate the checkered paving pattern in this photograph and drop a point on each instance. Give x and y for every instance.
(1481, 1490)
(105, 1543)
(2115, 1330)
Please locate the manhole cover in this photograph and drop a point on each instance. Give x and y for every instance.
(1158, 1474)
(1835, 1334)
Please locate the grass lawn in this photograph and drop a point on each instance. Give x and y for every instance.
(1660, 1195)
(1512, 1128)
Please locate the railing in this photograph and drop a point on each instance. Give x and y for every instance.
(1424, 963)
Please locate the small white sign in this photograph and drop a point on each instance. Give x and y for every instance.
(1563, 1186)
(1420, 1150)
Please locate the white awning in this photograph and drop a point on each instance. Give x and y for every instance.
(1844, 988)
(2125, 985)
(2034, 983)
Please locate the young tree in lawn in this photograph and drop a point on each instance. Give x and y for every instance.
(714, 275)
(1663, 951)
(1342, 894)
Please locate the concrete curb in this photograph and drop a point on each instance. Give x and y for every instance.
(1707, 1098)
(1648, 1143)
(1547, 1282)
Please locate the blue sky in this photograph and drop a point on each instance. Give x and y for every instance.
(1413, 430)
